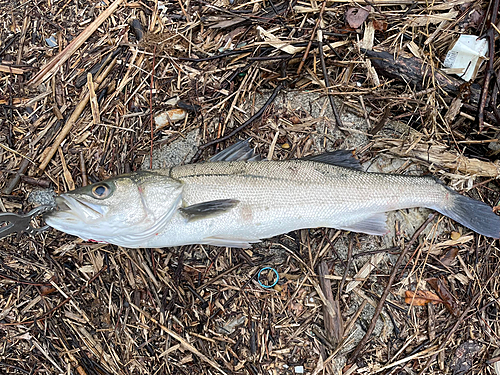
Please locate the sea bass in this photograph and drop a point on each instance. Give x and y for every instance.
(236, 203)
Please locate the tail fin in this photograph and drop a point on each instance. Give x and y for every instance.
(471, 213)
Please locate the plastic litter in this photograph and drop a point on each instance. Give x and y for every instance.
(274, 282)
(466, 56)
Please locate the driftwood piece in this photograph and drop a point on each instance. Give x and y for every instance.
(333, 324)
(11, 69)
(437, 154)
(413, 70)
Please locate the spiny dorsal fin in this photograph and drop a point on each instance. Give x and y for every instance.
(341, 158)
(240, 151)
(208, 209)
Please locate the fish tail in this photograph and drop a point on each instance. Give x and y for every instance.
(471, 213)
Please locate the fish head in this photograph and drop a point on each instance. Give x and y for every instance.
(123, 210)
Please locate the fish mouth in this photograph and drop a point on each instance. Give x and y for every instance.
(74, 208)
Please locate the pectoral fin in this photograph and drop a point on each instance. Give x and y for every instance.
(208, 209)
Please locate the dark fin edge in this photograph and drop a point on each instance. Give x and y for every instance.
(472, 214)
(340, 158)
(240, 151)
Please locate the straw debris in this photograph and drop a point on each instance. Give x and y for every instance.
(81, 86)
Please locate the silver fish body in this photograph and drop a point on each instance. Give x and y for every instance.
(236, 203)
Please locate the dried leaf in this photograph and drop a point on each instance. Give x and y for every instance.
(48, 289)
(355, 17)
(229, 327)
(473, 20)
(380, 25)
(448, 258)
(445, 295)
(421, 298)
(277, 43)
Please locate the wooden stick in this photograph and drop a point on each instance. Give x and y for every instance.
(490, 34)
(74, 116)
(50, 68)
(94, 105)
(10, 69)
(334, 327)
(306, 53)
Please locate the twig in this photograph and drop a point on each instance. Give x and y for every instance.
(335, 111)
(17, 177)
(308, 48)
(347, 265)
(387, 289)
(10, 69)
(23, 38)
(151, 109)
(25, 282)
(83, 170)
(490, 34)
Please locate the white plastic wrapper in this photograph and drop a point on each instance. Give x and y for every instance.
(466, 56)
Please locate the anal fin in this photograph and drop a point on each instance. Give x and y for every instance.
(374, 225)
(243, 243)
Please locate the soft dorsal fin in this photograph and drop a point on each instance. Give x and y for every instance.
(341, 158)
(240, 151)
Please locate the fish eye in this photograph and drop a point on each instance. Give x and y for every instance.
(101, 191)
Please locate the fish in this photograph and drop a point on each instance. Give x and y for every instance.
(235, 200)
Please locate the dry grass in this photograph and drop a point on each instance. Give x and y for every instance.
(77, 308)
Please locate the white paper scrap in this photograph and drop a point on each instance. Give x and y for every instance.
(466, 56)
